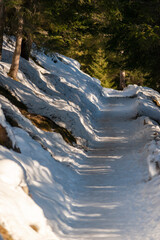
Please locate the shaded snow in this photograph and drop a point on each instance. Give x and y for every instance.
(101, 193)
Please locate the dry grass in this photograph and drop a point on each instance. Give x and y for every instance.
(47, 125)
(6, 236)
(38, 120)
(41, 122)
(4, 233)
(34, 227)
(155, 100)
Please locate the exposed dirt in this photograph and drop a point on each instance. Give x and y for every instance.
(5, 140)
(155, 100)
(41, 122)
(34, 227)
(4, 233)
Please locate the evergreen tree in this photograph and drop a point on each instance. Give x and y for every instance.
(26, 46)
(137, 33)
(30, 18)
(99, 68)
(1, 26)
(102, 35)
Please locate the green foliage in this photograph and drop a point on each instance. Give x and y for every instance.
(138, 35)
(99, 68)
(13, 3)
(104, 36)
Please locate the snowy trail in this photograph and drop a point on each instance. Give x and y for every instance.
(109, 202)
(101, 193)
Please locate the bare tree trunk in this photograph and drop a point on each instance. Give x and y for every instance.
(1, 26)
(16, 56)
(26, 47)
(122, 79)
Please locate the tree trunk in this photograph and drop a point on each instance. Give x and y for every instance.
(17, 52)
(122, 79)
(1, 26)
(28, 39)
(26, 47)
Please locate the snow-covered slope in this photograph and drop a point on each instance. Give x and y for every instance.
(66, 179)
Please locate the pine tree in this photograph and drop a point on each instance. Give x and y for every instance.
(31, 23)
(137, 33)
(99, 68)
(1, 26)
(26, 46)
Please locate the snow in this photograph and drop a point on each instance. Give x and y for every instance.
(104, 187)
(12, 173)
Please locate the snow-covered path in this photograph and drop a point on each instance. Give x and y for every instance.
(111, 189)
(101, 193)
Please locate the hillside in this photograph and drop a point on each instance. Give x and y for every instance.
(89, 156)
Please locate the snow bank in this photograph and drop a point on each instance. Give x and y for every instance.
(18, 213)
(146, 104)
(153, 151)
(12, 173)
(130, 91)
(62, 89)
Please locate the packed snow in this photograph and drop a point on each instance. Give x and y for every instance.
(105, 186)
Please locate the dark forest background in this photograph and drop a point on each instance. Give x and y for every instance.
(115, 41)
